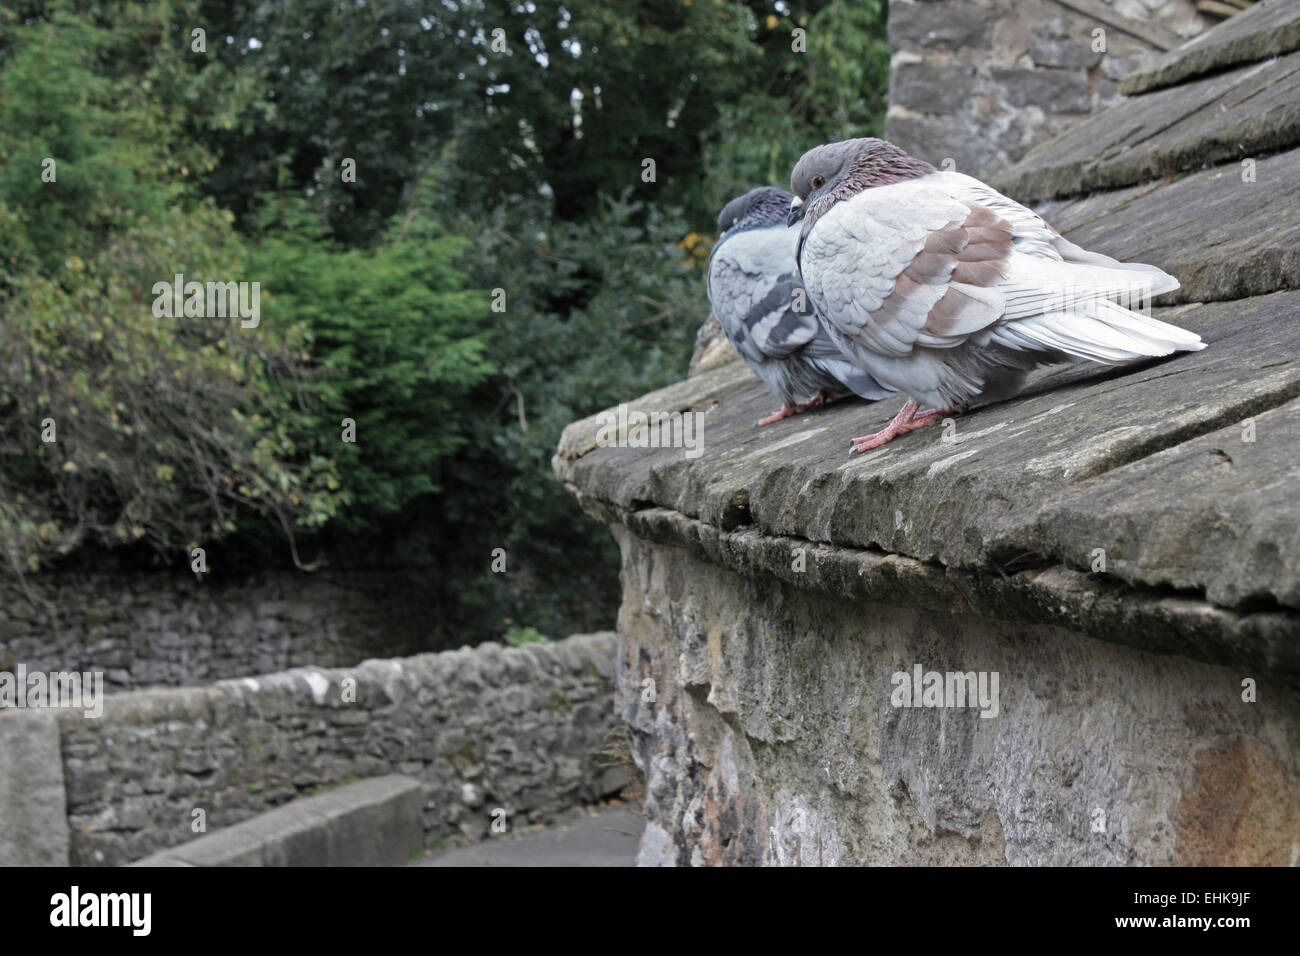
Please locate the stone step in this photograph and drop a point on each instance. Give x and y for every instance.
(375, 822)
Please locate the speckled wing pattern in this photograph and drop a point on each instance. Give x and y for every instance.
(756, 294)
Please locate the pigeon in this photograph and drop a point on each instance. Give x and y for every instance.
(764, 311)
(938, 285)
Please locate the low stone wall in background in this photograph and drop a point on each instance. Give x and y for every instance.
(170, 629)
(483, 729)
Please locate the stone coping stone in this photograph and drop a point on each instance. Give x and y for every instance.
(33, 812)
(1009, 486)
(485, 665)
(1247, 112)
(375, 822)
(1223, 237)
(1267, 29)
(1148, 31)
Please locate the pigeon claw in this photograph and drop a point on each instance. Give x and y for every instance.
(822, 397)
(786, 411)
(908, 419)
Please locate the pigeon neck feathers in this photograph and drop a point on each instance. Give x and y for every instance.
(882, 164)
(757, 209)
(870, 163)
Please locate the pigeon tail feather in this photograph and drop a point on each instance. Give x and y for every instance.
(1161, 281)
(1101, 331)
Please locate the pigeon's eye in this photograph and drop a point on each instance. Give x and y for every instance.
(818, 182)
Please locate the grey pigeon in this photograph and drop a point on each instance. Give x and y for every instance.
(940, 286)
(764, 311)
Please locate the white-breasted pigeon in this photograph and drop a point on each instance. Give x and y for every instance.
(764, 312)
(940, 286)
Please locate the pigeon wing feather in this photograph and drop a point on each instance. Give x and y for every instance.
(757, 296)
(907, 264)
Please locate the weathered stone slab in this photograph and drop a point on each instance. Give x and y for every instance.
(376, 822)
(1266, 29)
(970, 502)
(934, 88)
(1250, 111)
(952, 25)
(1219, 512)
(1244, 239)
(33, 816)
(1057, 91)
(1096, 605)
(1152, 33)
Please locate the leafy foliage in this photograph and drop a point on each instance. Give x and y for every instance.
(595, 313)
(395, 332)
(497, 145)
(164, 428)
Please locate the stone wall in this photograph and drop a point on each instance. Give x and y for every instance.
(980, 82)
(481, 729)
(170, 629)
(773, 739)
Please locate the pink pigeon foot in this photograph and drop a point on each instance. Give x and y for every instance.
(821, 398)
(786, 411)
(908, 419)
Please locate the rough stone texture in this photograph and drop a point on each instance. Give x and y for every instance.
(975, 84)
(166, 629)
(933, 88)
(1266, 29)
(33, 818)
(513, 728)
(375, 822)
(915, 27)
(1157, 22)
(1244, 113)
(712, 350)
(772, 739)
(978, 495)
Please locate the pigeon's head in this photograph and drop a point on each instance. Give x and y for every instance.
(826, 174)
(764, 206)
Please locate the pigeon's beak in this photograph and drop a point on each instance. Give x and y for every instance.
(796, 211)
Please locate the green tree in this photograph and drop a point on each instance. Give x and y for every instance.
(165, 429)
(397, 338)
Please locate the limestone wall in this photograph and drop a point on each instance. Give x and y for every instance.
(773, 737)
(980, 82)
(481, 729)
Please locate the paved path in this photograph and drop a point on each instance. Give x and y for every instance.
(607, 837)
